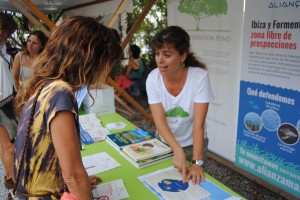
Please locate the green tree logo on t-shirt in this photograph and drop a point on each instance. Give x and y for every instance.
(177, 112)
(200, 9)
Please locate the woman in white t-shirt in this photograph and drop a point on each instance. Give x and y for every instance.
(179, 93)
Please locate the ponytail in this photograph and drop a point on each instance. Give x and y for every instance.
(192, 61)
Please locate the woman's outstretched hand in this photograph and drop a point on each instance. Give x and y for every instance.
(94, 180)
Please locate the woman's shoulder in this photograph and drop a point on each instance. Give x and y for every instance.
(197, 71)
(155, 73)
(153, 76)
(134, 62)
(60, 85)
(18, 55)
(60, 91)
(197, 74)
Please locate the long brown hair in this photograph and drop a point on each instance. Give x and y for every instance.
(79, 52)
(178, 38)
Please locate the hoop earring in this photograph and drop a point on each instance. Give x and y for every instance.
(182, 64)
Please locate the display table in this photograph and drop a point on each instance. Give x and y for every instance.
(136, 189)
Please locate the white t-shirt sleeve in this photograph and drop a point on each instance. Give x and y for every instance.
(153, 87)
(203, 91)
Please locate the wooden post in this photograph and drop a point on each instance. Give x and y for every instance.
(58, 16)
(114, 84)
(111, 82)
(118, 99)
(138, 22)
(40, 14)
(85, 4)
(30, 17)
(117, 12)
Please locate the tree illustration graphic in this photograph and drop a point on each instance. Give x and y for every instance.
(176, 112)
(200, 9)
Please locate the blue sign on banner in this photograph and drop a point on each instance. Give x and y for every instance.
(268, 134)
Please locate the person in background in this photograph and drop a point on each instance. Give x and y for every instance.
(135, 69)
(22, 67)
(8, 122)
(135, 66)
(179, 93)
(80, 51)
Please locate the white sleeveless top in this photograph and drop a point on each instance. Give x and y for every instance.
(25, 71)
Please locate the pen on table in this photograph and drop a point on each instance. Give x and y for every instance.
(89, 167)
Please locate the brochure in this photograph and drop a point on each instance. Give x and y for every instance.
(91, 129)
(146, 149)
(167, 184)
(122, 139)
(113, 190)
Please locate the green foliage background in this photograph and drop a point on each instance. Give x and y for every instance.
(155, 21)
(24, 28)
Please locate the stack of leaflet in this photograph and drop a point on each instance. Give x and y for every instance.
(140, 147)
(90, 126)
(91, 129)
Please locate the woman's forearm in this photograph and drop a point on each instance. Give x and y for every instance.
(69, 157)
(78, 185)
(200, 111)
(198, 144)
(7, 153)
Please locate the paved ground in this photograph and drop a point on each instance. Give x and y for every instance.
(3, 190)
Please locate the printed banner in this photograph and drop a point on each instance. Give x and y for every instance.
(215, 29)
(269, 115)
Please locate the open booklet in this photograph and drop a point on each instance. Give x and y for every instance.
(167, 184)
